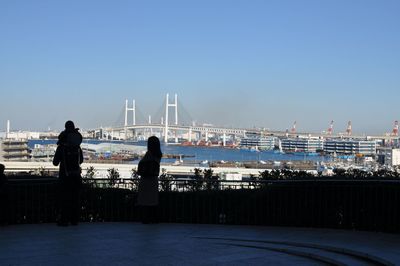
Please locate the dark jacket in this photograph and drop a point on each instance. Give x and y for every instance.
(59, 159)
(69, 140)
(71, 136)
(149, 166)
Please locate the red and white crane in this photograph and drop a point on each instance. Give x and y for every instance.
(395, 131)
(349, 129)
(330, 129)
(293, 130)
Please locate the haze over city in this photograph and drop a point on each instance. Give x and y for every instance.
(232, 63)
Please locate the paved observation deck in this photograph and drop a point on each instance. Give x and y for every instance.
(192, 244)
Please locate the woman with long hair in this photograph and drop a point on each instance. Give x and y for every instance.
(149, 170)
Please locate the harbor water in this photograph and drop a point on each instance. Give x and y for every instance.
(211, 154)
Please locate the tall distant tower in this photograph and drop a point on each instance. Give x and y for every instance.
(133, 109)
(127, 109)
(395, 131)
(349, 129)
(330, 129)
(8, 129)
(167, 105)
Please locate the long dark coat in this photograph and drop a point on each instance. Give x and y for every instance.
(148, 170)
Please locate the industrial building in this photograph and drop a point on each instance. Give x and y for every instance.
(308, 145)
(388, 156)
(14, 150)
(262, 143)
(350, 146)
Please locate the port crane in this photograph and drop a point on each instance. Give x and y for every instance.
(349, 129)
(293, 130)
(330, 129)
(395, 131)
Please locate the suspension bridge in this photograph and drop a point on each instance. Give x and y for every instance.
(170, 128)
(178, 126)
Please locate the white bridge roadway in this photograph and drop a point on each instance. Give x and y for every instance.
(236, 131)
(215, 130)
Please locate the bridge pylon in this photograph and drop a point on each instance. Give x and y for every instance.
(127, 109)
(133, 109)
(167, 105)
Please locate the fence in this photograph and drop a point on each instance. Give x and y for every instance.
(362, 205)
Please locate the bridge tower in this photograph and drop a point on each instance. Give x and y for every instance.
(127, 109)
(395, 131)
(167, 105)
(133, 109)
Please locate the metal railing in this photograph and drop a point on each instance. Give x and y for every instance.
(362, 205)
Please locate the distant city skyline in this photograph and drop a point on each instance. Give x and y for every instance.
(232, 63)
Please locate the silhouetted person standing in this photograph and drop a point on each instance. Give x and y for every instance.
(3, 196)
(148, 170)
(69, 156)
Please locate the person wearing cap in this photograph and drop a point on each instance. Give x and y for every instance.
(69, 157)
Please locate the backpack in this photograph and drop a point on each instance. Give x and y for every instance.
(72, 159)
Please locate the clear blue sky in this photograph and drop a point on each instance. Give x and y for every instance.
(232, 63)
